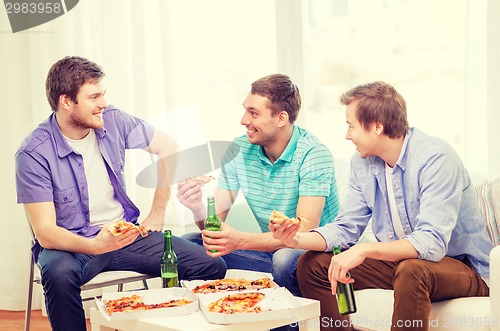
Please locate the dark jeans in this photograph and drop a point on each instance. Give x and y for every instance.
(282, 264)
(63, 273)
(416, 283)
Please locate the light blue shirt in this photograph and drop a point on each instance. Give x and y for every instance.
(305, 168)
(435, 198)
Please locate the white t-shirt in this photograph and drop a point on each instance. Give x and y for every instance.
(104, 207)
(396, 221)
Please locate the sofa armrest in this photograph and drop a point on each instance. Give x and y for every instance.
(495, 288)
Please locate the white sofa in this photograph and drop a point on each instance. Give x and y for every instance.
(374, 306)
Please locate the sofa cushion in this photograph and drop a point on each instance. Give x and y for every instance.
(488, 193)
(375, 312)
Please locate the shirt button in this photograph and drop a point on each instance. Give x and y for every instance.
(391, 236)
(65, 199)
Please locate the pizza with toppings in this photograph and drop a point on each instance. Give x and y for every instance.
(135, 303)
(233, 284)
(123, 226)
(201, 180)
(280, 218)
(238, 303)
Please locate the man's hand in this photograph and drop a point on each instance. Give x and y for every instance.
(154, 222)
(342, 263)
(224, 241)
(190, 194)
(105, 241)
(286, 233)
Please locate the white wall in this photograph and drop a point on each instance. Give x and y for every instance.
(160, 55)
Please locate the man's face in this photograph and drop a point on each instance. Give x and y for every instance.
(87, 112)
(258, 119)
(365, 139)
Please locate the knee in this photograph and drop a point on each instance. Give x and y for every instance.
(312, 265)
(219, 268)
(285, 260)
(61, 271)
(194, 237)
(409, 274)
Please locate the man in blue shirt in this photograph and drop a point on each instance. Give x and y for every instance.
(278, 166)
(432, 243)
(70, 179)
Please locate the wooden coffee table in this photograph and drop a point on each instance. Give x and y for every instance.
(306, 314)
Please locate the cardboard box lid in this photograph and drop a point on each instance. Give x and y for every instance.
(277, 304)
(150, 297)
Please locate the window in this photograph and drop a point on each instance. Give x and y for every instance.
(433, 52)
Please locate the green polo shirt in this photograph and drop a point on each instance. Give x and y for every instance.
(304, 169)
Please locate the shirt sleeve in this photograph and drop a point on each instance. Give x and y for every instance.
(228, 179)
(353, 217)
(33, 179)
(441, 183)
(138, 133)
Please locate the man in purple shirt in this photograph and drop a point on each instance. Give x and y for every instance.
(70, 179)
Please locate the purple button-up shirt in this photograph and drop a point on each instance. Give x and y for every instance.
(49, 170)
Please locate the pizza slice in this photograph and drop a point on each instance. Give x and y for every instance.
(201, 180)
(238, 303)
(233, 284)
(122, 226)
(280, 218)
(136, 303)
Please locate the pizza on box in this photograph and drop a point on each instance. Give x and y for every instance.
(136, 303)
(233, 284)
(237, 303)
(279, 218)
(122, 226)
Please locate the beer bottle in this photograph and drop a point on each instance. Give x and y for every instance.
(345, 293)
(213, 221)
(169, 275)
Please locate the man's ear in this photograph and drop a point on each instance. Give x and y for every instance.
(379, 128)
(282, 118)
(65, 101)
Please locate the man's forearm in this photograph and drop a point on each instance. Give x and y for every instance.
(260, 242)
(312, 241)
(160, 201)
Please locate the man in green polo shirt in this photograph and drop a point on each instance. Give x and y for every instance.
(278, 166)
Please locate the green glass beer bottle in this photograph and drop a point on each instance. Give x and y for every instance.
(213, 221)
(345, 293)
(169, 275)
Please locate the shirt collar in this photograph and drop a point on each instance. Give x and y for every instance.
(378, 165)
(403, 156)
(62, 146)
(287, 154)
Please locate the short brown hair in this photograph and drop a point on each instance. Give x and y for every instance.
(379, 102)
(281, 92)
(67, 75)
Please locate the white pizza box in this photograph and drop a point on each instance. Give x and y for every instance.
(150, 297)
(277, 304)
